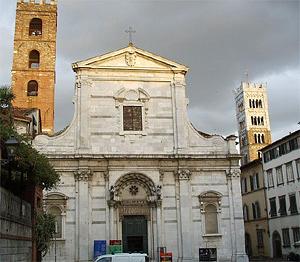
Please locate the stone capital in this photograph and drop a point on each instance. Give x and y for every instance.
(183, 174)
(233, 173)
(83, 175)
(113, 203)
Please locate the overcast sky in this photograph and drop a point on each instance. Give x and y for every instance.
(218, 40)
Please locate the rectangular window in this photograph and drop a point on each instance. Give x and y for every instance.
(298, 168)
(296, 234)
(293, 144)
(244, 185)
(282, 149)
(289, 172)
(251, 183)
(279, 175)
(254, 211)
(267, 157)
(260, 238)
(286, 237)
(256, 181)
(132, 118)
(276, 152)
(273, 208)
(270, 178)
(293, 204)
(282, 206)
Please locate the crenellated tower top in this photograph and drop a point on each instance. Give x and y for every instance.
(41, 2)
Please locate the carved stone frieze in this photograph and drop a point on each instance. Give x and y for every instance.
(138, 207)
(83, 175)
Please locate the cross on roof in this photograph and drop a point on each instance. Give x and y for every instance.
(130, 31)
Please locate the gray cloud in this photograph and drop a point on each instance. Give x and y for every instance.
(218, 40)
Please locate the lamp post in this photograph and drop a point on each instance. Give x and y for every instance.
(11, 146)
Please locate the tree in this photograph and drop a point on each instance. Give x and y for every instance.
(6, 116)
(44, 232)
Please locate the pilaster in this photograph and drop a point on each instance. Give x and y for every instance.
(236, 216)
(183, 177)
(82, 178)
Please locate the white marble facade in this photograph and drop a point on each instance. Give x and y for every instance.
(167, 172)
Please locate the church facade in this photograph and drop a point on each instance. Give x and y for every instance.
(134, 169)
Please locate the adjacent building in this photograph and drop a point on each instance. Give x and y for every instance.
(255, 209)
(281, 164)
(27, 121)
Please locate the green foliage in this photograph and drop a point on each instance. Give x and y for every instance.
(38, 169)
(6, 118)
(44, 231)
(27, 159)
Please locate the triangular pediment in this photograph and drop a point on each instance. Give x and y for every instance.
(128, 58)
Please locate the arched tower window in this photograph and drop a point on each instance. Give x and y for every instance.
(255, 138)
(256, 103)
(258, 120)
(260, 103)
(250, 103)
(56, 212)
(258, 139)
(255, 120)
(263, 138)
(262, 120)
(253, 103)
(34, 59)
(32, 88)
(35, 26)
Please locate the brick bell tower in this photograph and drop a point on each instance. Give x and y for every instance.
(33, 69)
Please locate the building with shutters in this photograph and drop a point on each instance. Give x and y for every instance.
(281, 165)
(133, 168)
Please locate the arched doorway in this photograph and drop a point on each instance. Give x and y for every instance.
(136, 198)
(276, 244)
(248, 246)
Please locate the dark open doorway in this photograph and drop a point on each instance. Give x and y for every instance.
(135, 235)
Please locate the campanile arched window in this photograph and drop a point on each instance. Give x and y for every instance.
(36, 26)
(32, 88)
(34, 59)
